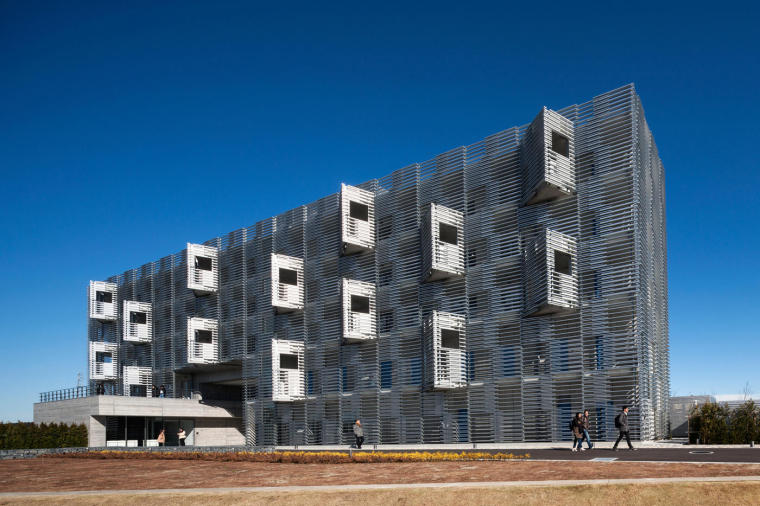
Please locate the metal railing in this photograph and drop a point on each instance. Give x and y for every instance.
(66, 393)
(108, 388)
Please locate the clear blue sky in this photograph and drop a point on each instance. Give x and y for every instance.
(128, 130)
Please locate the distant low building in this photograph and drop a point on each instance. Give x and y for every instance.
(679, 412)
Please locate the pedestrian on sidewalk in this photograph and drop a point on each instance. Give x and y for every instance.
(162, 391)
(181, 435)
(586, 425)
(621, 422)
(359, 434)
(161, 438)
(577, 427)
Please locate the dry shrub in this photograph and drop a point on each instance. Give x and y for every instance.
(315, 457)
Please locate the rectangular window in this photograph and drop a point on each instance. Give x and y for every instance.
(289, 276)
(509, 361)
(344, 386)
(203, 263)
(138, 317)
(386, 375)
(386, 321)
(138, 391)
(359, 304)
(450, 338)
(385, 274)
(447, 233)
(562, 262)
(310, 383)
(560, 144)
(288, 361)
(384, 227)
(203, 336)
(103, 357)
(358, 211)
(415, 371)
(106, 297)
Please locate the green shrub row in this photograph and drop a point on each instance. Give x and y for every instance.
(715, 423)
(24, 435)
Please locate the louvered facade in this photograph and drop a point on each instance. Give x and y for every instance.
(540, 250)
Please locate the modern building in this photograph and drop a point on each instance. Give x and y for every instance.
(680, 409)
(484, 295)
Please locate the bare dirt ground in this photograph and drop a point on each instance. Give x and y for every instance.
(682, 494)
(50, 474)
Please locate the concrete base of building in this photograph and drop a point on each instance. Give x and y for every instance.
(208, 423)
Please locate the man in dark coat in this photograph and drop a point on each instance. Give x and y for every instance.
(621, 422)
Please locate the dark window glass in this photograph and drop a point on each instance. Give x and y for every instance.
(560, 144)
(203, 336)
(288, 276)
(415, 371)
(562, 262)
(104, 297)
(359, 304)
(358, 211)
(104, 357)
(386, 374)
(138, 317)
(447, 233)
(138, 391)
(203, 263)
(288, 361)
(450, 338)
(385, 274)
(386, 321)
(472, 257)
(384, 227)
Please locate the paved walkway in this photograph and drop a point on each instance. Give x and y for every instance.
(384, 486)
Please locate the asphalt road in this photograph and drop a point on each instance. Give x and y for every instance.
(692, 454)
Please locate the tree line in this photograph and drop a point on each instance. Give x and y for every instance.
(714, 423)
(25, 435)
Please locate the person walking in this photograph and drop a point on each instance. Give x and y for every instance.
(181, 435)
(585, 426)
(154, 391)
(577, 426)
(359, 434)
(161, 438)
(621, 422)
(162, 391)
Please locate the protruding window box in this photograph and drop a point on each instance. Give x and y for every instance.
(551, 274)
(358, 311)
(445, 351)
(137, 381)
(202, 269)
(202, 341)
(548, 158)
(103, 359)
(103, 301)
(138, 322)
(287, 370)
(357, 210)
(287, 283)
(443, 243)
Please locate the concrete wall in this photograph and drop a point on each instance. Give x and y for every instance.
(215, 425)
(219, 432)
